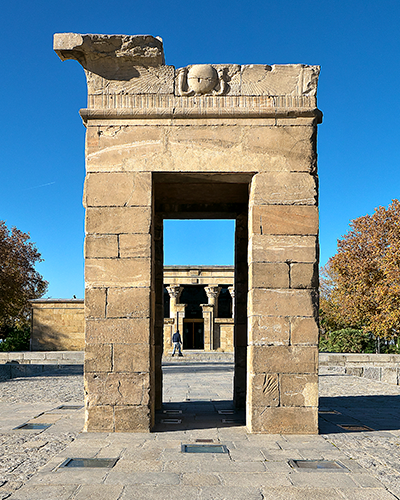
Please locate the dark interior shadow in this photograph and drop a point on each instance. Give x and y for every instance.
(377, 412)
(198, 414)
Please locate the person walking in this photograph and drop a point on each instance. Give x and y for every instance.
(176, 340)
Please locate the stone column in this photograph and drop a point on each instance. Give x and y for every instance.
(282, 395)
(232, 294)
(180, 315)
(210, 311)
(208, 317)
(174, 292)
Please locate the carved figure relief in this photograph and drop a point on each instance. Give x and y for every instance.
(201, 79)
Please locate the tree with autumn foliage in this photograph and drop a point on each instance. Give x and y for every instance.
(361, 283)
(19, 281)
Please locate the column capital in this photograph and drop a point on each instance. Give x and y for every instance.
(174, 291)
(212, 293)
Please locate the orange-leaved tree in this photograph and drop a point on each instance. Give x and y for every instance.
(19, 281)
(365, 292)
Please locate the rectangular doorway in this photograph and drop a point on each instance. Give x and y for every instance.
(193, 334)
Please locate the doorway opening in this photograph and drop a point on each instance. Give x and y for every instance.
(201, 277)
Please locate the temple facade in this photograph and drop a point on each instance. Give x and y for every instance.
(198, 301)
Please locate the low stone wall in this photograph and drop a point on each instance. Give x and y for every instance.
(22, 364)
(380, 367)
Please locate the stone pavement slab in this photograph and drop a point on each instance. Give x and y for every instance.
(151, 466)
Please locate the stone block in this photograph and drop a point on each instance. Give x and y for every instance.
(284, 219)
(354, 370)
(132, 419)
(118, 189)
(275, 248)
(200, 137)
(98, 358)
(299, 390)
(115, 220)
(131, 358)
(279, 79)
(304, 331)
(282, 359)
(282, 302)
(101, 245)
(263, 389)
(269, 330)
(283, 420)
(95, 302)
(135, 245)
(135, 330)
(128, 303)
(117, 272)
(389, 375)
(268, 275)
(303, 275)
(117, 388)
(283, 188)
(99, 419)
(283, 148)
(372, 372)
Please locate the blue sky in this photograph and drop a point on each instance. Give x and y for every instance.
(42, 139)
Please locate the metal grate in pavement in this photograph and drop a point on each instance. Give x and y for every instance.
(107, 463)
(318, 465)
(69, 407)
(172, 412)
(355, 427)
(203, 448)
(171, 421)
(226, 412)
(32, 427)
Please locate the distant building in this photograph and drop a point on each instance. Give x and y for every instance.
(199, 301)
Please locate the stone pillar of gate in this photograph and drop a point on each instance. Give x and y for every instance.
(193, 142)
(179, 317)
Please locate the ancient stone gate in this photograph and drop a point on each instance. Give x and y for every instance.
(205, 141)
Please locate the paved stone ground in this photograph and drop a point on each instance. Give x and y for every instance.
(151, 466)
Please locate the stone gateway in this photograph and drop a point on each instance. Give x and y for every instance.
(205, 141)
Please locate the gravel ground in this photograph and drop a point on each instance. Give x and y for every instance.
(356, 400)
(22, 454)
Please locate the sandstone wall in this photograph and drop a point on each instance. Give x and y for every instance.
(57, 325)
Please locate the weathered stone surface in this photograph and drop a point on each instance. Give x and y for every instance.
(101, 245)
(130, 331)
(283, 188)
(98, 358)
(132, 419)
(128, 303)
(284, 148)
(282, 359)
(57, 325)
(303, 275)
(282, 219)
(116, 388)
(131, 358)
(275, 248)
(95, 302)
(114, 220)
(299, 390)
(269, 330)
(296, 79)
(117, 189)
(135, 245)
(268, 275)
(282, 302)
(304, 331)
(118, 272)
(99, 419)
(263, 389)
(283, 420)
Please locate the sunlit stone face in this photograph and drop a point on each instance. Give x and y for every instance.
(202, 78)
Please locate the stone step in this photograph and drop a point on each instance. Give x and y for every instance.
(200, 356)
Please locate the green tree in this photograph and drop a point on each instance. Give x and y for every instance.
(364, 286)
(19, 281)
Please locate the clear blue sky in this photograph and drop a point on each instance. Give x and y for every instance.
(42, 137)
